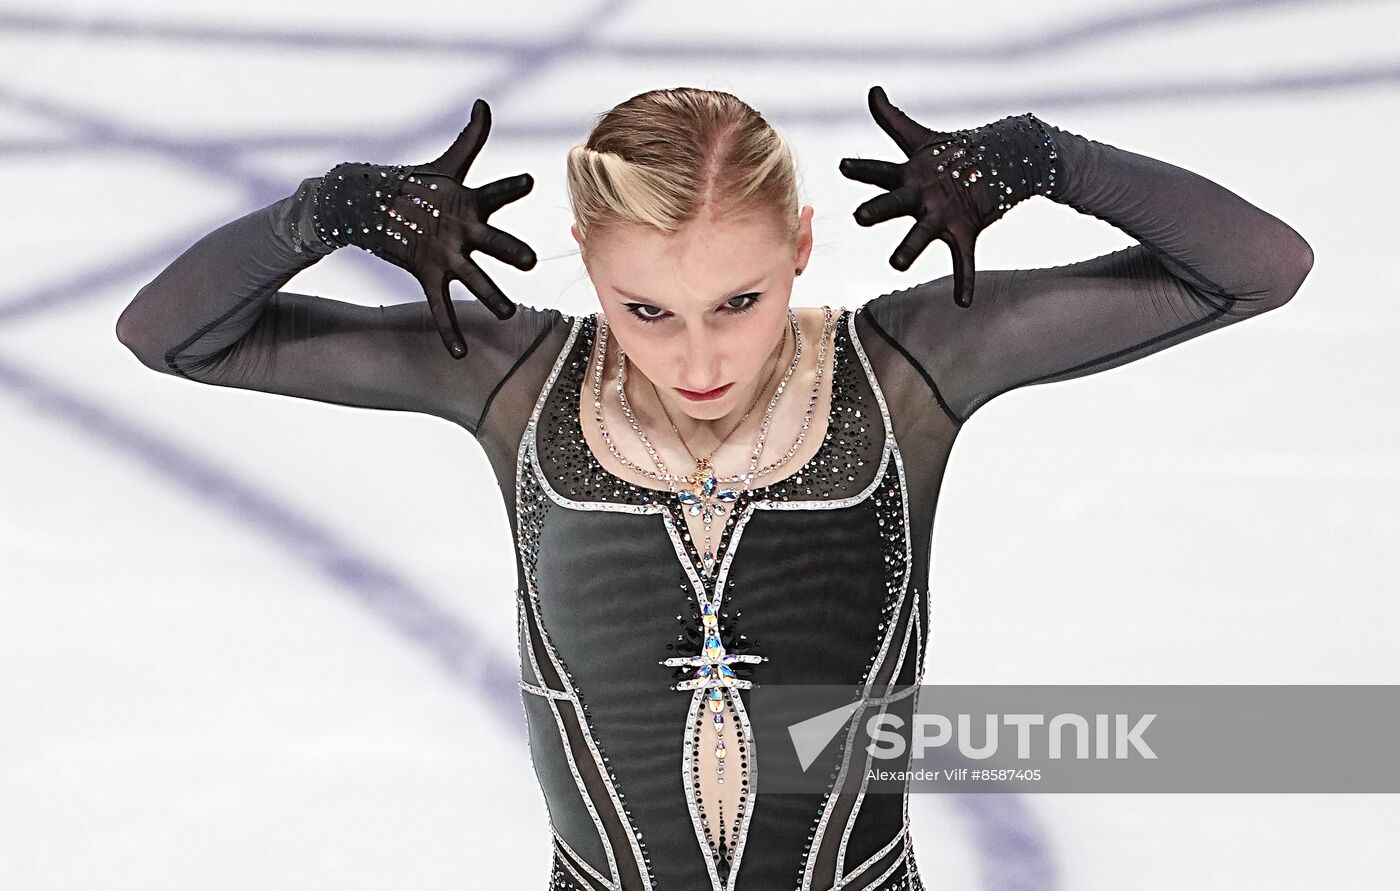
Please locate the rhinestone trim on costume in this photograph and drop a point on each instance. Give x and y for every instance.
(872, 859)
(529, 518)
(902, 550)
(584, 484)
(544, 691)
(909, 629)
(526, 645)
(744, 733)
(572, 855)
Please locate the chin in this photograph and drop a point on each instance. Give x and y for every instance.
(706, 411)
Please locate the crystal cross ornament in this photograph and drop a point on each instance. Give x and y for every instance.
(713, 674)
(712, 666)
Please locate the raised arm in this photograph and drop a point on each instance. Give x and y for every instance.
(216, 314)
(1206, 259)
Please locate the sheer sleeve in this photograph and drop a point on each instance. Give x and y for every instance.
(215, 315)
(1206, 259)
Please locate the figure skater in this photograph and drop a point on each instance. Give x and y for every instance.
(709, 488)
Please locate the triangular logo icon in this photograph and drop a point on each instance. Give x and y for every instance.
(810, 737)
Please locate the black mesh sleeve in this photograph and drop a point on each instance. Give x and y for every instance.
(215, 315)
(1206, 259)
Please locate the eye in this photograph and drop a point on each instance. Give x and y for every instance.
(642, 310)
(636, 309)
(750, 300)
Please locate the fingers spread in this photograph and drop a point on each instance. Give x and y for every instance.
(907, 133)
(485, 290)
(440, 301)
(915, 240)
(900, 202)
(495, 195)
(465, 148)
(963, 244)
(503, 246)
(884, 174)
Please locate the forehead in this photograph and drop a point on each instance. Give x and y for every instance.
(704, 248)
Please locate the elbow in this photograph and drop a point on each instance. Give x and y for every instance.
(1291, 266)
(1299, 261)
(1289, 260)
(126, 330)
(133, 335)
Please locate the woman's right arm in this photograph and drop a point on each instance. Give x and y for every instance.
(216, 315)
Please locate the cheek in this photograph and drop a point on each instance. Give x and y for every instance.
(644, 350)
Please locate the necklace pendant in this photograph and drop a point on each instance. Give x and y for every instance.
(705, 498)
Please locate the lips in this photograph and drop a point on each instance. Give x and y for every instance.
(708, 394)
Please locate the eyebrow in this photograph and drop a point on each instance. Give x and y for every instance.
(732, 292)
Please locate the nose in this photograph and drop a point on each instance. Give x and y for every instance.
(700, 357)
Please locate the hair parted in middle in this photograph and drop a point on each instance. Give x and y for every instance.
(665, 156)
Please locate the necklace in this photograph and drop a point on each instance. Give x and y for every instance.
(801, 433)
(661, 474)
(758, 393)
(702, 497)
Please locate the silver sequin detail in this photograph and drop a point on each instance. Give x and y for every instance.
(587, 485)
(528, 519)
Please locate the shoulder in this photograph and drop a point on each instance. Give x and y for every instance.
(811, 319)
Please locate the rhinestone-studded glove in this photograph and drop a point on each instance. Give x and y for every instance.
(955, 184)
(423, 219)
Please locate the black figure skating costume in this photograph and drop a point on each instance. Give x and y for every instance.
(823, 572)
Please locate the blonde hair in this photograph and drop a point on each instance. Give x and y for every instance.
(664, 156)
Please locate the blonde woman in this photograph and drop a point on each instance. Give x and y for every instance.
(710, 488)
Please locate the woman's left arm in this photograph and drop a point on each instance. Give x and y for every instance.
(1207, 259)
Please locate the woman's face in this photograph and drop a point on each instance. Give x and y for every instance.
(702, 308)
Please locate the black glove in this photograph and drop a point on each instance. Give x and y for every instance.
(954, 184)
(423, 219)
